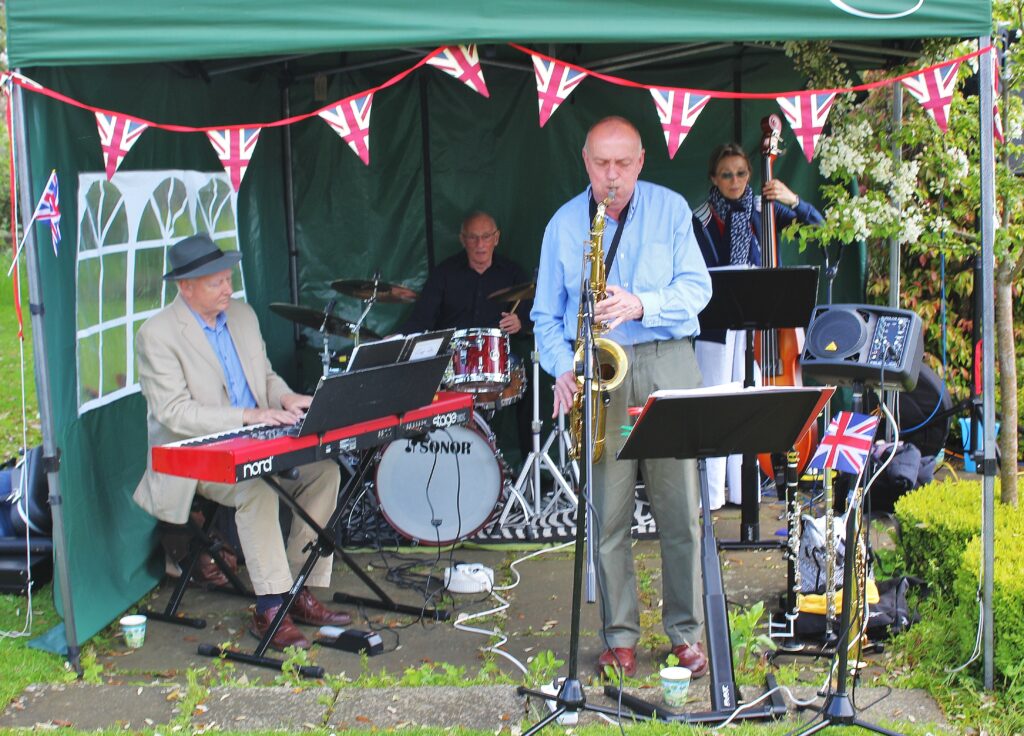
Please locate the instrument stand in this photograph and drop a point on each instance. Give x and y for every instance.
(702, 423)
(324, 546)
(367, 306)
(757, 299)
(529, 481)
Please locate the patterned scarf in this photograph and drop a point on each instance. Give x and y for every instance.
(736, 214)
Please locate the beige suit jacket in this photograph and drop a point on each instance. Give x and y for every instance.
(187, 395)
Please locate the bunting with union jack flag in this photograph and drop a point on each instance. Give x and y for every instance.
(48, 209)
(807, 115)
(934, 89)
(350, 119)
(678, 110)
(555, 82)
(463, 63)
(234, 147)
(118, 133)
(846, 443)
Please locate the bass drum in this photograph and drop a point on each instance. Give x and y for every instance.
(443, 487)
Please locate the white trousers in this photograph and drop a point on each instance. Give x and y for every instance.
(723, 363)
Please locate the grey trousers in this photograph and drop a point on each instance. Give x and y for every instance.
(272, 564)
(673, 492)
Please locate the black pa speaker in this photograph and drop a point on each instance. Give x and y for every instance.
(878, 346)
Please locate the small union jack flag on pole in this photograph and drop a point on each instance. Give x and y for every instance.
(48, 209)
(118, 133)
(555, 82)
(678, 110)
(807, 114)
(234, 147)
(997, 122)
(934, 89)
(350, 119)
(462, 63)
(846, 443)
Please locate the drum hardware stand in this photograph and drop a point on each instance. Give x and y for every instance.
(325, 357)
(323, 546)
(529, 476)
(367, 306)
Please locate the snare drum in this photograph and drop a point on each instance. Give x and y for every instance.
(443, 487)
(480, 360)
(512, 393)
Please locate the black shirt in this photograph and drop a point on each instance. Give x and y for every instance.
(456, 296)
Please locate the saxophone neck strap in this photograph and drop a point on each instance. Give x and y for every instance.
(610, 257)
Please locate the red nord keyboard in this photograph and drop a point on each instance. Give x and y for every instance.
(249, 452)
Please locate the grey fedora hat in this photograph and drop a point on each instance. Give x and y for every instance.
(196, 256)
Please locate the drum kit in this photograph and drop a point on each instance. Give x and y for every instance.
(466, 479)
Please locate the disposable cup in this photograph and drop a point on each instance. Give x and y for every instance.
(134, 629)
(675, 682)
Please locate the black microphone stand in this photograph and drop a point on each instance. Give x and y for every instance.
(326, 356)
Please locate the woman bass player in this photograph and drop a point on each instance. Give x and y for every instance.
(728, 227)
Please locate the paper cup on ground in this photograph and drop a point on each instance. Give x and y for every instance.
(675, 682)
(134, 629)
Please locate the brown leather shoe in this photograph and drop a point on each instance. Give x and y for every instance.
(286, 636)
(209, 574)
(618, 658)
(693, 658)
(308, 610)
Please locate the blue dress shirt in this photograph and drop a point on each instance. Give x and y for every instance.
(658, 260)
(224, 348)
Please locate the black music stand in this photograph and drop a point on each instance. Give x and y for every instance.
(703, 423)
(757, 299)
(398, 387)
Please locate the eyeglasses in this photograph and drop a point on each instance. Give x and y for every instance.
(478, 238)
(730, 175)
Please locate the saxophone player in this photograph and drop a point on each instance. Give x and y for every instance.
(657, 284)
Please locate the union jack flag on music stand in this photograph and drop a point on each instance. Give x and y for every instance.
(678, 110)
(234, 147)
(934, 89)
(48, 209)
(118, 133)
(462, 63)
(846, 443)
(555, 82)
(807, 114)
(350, 119)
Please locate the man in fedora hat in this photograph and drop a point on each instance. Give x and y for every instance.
(203, 369)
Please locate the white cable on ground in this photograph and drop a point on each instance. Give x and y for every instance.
(759, 698)
(463, 618)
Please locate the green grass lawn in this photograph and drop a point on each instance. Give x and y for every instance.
(11, 426)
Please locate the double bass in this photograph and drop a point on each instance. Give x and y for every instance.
(777, 352)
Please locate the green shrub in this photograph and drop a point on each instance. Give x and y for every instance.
(936, 523)
(1007, 592)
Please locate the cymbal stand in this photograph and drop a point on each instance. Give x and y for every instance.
(325, 357)
(528, 483)
(367, 306)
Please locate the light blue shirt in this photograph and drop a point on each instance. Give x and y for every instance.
(224, 348)
(658, 260)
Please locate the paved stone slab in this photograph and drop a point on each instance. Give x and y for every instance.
(265, 708)
(483, 707)
(88, 707)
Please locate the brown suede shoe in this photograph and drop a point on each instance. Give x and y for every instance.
(693, 658)
(286, 636)
(308, 610)
(618, 658)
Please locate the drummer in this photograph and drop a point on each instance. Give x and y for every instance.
(455, 294)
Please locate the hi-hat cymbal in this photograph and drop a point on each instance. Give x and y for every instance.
(514, 293)
(363, 289)
(315, 317)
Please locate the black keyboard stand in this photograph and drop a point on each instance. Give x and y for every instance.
(324, 546)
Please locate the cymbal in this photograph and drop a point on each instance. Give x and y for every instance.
(363, 289)
(315, 317)
(514, 293)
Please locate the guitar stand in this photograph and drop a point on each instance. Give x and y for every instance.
(324, 546)
(200, 541)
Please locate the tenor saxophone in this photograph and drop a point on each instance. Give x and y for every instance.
(610, 358)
